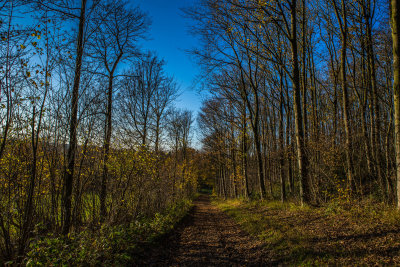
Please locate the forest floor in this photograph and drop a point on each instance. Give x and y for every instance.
(264, 233)
(206, 237)
(341, 233)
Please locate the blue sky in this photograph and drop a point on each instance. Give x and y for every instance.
(169, 38)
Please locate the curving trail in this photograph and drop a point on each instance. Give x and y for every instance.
(207, 237)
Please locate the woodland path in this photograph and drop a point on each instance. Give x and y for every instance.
(206, 237)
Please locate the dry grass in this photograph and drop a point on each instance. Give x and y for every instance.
(347, 234)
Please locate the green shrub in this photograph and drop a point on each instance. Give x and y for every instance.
(110, 245)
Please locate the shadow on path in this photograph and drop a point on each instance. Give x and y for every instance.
(206, 237)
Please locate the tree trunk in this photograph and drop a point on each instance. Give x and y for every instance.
(281, 142)
(345, 99)
(289, 141)
(69, 171)
(342, 19)
(107, 140)
(301, 153)
(395, 21)
(28, 212)
(244, 153)
(363, 115)
(157, 133)
(304, 70)
(259, 161)
(375, 120)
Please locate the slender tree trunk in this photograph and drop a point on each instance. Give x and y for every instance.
(270, 144)
(314, 103)
(345, 96)
(375, 120)
(107, 140)
(254, 118)
(259, 161)
(289, 142)
(388, 182)
(335, 113)
(233, 159)
(28, 212)
(223, 182)
(304, 70)
(175, 169)
(363, 104)
(342, 18)
(301, 153)
(157, 133)
(281, 142)
(395, 21)
(364, 128)
(69, 171)
(244, 152)
(389, 137)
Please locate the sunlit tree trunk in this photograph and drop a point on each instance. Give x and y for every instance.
(395, 21)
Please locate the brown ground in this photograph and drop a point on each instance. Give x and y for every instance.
(206, 237)
(339, 234)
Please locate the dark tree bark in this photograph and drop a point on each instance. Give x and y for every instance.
(244, 151)
(281, 141)
(69, 171)
(301, 153)
(342, 19)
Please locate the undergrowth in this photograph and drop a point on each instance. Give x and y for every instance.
(108, 246)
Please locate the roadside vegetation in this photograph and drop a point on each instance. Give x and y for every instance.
(118, 245)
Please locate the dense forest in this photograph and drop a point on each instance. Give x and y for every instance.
(302, 106)
(301, 102)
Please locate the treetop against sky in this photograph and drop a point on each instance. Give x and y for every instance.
(170, 38)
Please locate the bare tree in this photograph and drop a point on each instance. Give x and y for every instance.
(166, 93)
(145, 94)
(179, 127)
(115, 40)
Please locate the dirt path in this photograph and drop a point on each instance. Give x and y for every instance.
(207, 237)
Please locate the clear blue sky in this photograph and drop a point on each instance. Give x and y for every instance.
(169, 38)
